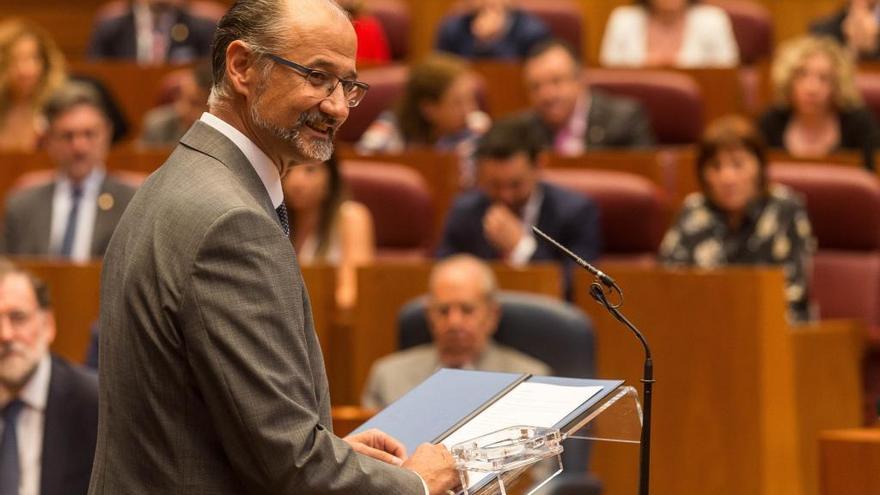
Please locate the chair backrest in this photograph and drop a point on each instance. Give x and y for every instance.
(752, 27)
(386, 85)
(400, 202)
(633, 211)
(673, 100)
(547, 329)
(843, 204)
(562, 17)
(394, 16)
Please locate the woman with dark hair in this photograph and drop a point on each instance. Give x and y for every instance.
(818, 108)
(738, 218)
(326, 226)
(31, 68)
(678, 33)
(438, 109)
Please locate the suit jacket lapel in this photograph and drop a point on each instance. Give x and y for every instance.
(105, 220)
(43, 218)
(205, 139)
(55, 451)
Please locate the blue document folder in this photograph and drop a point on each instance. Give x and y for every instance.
(449, 398)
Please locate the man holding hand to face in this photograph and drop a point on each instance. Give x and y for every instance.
(494, 221)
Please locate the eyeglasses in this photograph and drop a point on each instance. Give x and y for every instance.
(353, 90)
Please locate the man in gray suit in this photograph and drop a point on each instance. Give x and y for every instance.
(463, 313)
(211, 375)
(73, 215)
(568, 116)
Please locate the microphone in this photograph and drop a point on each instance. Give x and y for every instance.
(599, 274)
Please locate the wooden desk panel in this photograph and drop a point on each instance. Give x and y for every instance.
(850, 461)
(740, 396)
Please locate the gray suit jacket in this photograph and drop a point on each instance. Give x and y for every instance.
(28, 219)
(211, 376)
(396, 374)
(613, 122)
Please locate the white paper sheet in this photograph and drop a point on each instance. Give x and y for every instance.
(529, 404)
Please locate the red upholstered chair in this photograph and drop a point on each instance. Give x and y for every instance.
(401, 205)
(673, 100)
(844, 208)
(633, 212)
(752, 27)
(386, 84)
(562, 17)
(395, 19)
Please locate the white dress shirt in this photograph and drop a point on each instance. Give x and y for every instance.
(62, 202)
(527, 244)
(264, 167)
(31, 422)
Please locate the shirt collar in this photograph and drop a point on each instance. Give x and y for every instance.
(36, 392)
(90, 184)
(263, 165)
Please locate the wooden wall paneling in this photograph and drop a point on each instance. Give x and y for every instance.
(850, 461)
(75, 291)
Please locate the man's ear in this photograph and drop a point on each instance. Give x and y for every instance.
(541, 160)
(240, 68)
(50, 327)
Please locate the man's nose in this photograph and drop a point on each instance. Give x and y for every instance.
(336, 104)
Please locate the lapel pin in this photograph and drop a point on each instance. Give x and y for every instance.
(105, 201)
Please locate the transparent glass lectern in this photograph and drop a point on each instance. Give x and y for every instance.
(490, 463)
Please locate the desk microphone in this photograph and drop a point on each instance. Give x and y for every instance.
(599, 295)
(599, 274)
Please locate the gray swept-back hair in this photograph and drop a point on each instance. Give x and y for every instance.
(258, 23)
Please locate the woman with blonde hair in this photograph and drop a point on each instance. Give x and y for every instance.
(818, 109)
(31, 68)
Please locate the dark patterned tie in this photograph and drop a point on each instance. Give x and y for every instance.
(10, 466)
(70, 229)
(282, 217)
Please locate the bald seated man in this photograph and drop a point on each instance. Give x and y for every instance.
(463, 314)
(211, 375)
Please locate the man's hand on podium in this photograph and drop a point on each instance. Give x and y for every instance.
(436, 466)
(378, 445)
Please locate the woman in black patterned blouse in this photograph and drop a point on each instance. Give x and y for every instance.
(740, 219)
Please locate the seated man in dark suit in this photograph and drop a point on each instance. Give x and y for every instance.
(491, 29)
(153, 32)
(494, 221)
(74, 215)
(856, 26)
(463, 313)
(571, 118)
(48, 407)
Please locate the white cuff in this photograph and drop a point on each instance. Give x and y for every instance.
(523, 251)
(425, 485)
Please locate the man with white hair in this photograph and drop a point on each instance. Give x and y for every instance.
(463, 314)
(211, 375)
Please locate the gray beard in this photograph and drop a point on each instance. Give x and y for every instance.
(311, 150)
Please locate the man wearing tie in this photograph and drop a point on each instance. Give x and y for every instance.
(211, 376)
(74, 215)
(48, 407)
